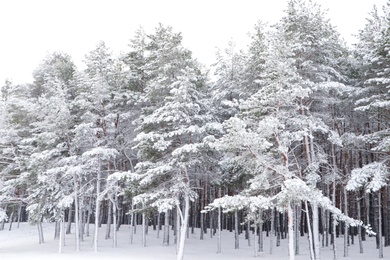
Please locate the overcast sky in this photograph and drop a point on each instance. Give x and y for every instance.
(30, 29)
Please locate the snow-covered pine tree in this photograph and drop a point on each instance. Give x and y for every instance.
(171, 128)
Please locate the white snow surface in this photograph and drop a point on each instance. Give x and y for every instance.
(22, 243)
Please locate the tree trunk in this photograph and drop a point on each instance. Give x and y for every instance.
(76, 214)
(359, 228)
(109, 220)
(309, 235)
(166, 229)
(143, 228)
(40, 232)
(236, 235)
(291, 251)
(132, 222)
(345, 224)
(97, 211)
(184, 223)
(60, 244)
(380, 225)
(219, 231)
(69, 225)
(271, 235)
(114, 217)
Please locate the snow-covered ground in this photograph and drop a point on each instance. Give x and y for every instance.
(22, 243)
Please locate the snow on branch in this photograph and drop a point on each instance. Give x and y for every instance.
(372, 177)
(239, 202)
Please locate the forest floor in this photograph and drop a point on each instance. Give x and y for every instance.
(22, 243)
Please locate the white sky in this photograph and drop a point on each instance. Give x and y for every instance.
(30, 29)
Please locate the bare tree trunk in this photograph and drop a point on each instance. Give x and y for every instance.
(166, 229)
(291, 251)
(334, 221)
(109, 220)
(271, 233)
(310, 235)
(261, 240)
(19, 213)
(345, 224)
(380, 225)
(248, 232)
(184, 223)
(11, 218)
(359, 228)
(158, 224)
(88, 216)
(61, 241)
(236, 235)
(97, 211)
(40, 232)
(114, 217)
(255, 242)
(69, 225)
(76, 214)
(143, 228)
(219, 230)
(132, 222)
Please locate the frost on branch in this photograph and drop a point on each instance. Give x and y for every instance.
(372, 177)
(239, 202)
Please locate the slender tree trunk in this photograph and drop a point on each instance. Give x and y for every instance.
(309, 235)
(143, 228)
(271, 235)
(290, 213)
(19, 214)
(184, 223)
(261, 240)
(316, 227)
(345, 224)
(132, 222)
(76, 214)
(69, 225)
(166, 229)
(158, 224)
(40, 232)
(380, 224)
(334, 221)
(296, 231)
(60, 244)
(248, 232)
(359, 228)
(236, 235)
(255, 242)
(97, 211)
(89, 216)
(109, 220)
(114, 217)
(219, 230)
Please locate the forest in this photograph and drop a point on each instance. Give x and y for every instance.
(289, 138)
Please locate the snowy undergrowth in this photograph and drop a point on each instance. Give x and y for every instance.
(22, 243)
